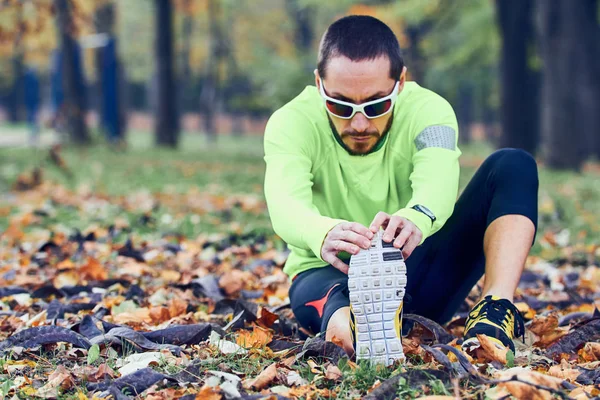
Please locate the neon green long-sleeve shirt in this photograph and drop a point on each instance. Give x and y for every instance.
(312, 183)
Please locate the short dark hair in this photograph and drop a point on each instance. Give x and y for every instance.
(360, 37)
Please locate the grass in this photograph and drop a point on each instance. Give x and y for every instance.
(234, 166)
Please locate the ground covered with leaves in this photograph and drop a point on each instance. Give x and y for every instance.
(154, 274)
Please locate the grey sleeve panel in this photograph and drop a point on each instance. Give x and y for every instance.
(436, 136)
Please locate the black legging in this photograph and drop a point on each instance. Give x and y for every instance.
(442, 271)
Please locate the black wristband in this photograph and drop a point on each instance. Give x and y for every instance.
(424, 210)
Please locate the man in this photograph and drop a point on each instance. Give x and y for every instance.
(366, 155)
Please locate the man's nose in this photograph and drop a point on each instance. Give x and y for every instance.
(359, 122)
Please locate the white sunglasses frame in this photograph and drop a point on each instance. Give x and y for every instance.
(359, 107)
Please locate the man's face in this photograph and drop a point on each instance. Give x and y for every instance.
(358, 82)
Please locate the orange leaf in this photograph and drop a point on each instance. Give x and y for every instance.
(208, 393)
(65, 264)
(267, 376)
(525, 391)
(258, 337)
(159, 314)
(267, 318)
(103, 371)
(564, 371)
(138, 315)
(67, 278)
(592, 349)
(93, 270)
(233, 281)
(489, 351)
(333, 372)
(170, 276)
(412, 346)
(543, 325)
(177, 307)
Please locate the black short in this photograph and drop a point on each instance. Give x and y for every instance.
(442, 271)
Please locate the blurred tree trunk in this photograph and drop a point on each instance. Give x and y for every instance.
(518, 113)
(167, 118)
(188, 28)
(15, 103)
(109, 76)
(74, 88)
(211, 91)
(465, 111)
(303, 32)
(186, 84)
(236, 86)
(570, 89)
(415, 60)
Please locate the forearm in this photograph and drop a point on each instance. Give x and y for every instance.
(435, 185)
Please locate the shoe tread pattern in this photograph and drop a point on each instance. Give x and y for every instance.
(377, 283)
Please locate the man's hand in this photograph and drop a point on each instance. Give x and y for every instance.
(407, 235)
(345, 236)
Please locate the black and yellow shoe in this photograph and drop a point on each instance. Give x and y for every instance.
(376, 285)
(496, 318)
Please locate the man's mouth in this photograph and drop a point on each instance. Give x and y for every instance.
(360, 138)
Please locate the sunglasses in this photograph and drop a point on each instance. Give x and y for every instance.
(370, 109)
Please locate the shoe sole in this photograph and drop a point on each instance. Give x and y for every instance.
(376, 284)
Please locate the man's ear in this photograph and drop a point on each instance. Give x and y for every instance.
(316, 72)
(402, 79)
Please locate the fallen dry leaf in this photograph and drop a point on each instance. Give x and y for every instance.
(59, 378)
(266, 318)
(542, 325)
(234, 281)
(93, 270)
(547, 330)
(525, 391)
(564, 371)
(488, 350)
(333, 372)
(139, 315)
(257, 338)
(592, 350)
(208, 393)
(67, 278)
(412, 346)
(177, 307)
(264, 379)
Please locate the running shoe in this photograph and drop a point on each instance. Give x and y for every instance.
(496, 318)
(376, 284)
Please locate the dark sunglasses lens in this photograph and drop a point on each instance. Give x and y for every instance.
(339, 109)
(377, 109)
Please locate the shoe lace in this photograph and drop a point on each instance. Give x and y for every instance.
(498, 310)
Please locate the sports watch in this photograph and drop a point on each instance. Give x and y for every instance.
(424, 210)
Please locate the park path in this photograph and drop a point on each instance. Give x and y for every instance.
(20, 138)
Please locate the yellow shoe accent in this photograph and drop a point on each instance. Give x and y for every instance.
(496, 318)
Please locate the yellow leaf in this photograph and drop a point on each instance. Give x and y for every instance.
(258, 337)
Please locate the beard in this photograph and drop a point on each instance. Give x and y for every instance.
(361, 149)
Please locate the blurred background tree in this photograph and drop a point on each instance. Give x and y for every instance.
(519, 73)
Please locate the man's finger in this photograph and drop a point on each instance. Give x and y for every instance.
(411, 244)
(405, 233)
(361, 230)
(339, 264)
(379, 219)
(354, 238)
(340, 245)
(390, 232)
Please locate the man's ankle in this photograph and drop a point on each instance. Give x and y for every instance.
(498, 294)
